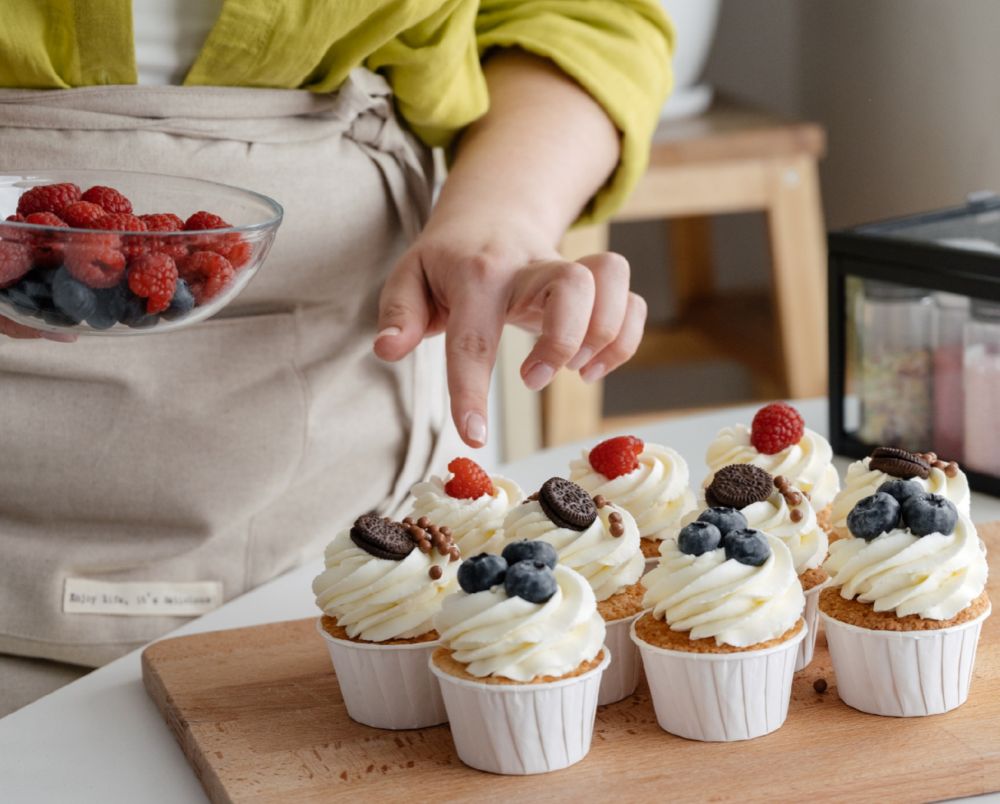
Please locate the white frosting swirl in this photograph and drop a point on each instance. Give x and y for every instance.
(496, 635)
(807, 465)
(376, 599)
(473, 523)
(735, 603)
(934, 576)
(863, 481)
(656, 494)
(608, 563)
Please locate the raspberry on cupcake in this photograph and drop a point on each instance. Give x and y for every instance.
(469, 502)
(649, 481)
(779, 442)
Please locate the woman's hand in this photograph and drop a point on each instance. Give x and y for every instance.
(468, 281)
(12, 329)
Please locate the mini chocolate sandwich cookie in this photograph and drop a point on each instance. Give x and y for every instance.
(739, 485)
(899, 463)
(566, 504)
(382, 538)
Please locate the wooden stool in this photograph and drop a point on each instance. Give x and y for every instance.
(732, 159)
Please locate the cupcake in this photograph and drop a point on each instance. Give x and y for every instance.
(384, 581)
(649, 481)
(749, 497)
(470, 503)
(720, 640)
(599, 540)
(520, 663)
(886, 464)
(779, 442)
(906, 603)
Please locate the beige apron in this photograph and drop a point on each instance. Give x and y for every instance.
(231, 451)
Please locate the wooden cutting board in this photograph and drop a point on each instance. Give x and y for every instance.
(259, 715)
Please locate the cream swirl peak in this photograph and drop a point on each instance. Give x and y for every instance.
(862, 481)
(474, 523)
(735, 603)
(385, 580)
(933, 576)
(656, 492)
(494, 634)
(608, 561)
(808, 464)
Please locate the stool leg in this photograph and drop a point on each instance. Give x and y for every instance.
(798, 250)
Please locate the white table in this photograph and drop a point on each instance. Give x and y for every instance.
(100, 739)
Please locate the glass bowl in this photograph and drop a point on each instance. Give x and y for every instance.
(101, 276)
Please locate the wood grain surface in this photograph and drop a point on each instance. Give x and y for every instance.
(258, 713)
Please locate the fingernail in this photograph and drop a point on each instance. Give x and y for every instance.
(593, 373)
(581, 359)
(538, 376)
(388, 332)
(475, 428)
(59, 337)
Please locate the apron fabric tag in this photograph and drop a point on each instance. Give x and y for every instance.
(141, 598)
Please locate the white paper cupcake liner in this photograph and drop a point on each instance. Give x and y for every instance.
(387, 686)
(521, 729)
(811, 615)
(622, 676)
(720, 697)
(903, 673)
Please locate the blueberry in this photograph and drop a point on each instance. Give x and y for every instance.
(21, 301)
(873, 516)
(482, 572)
(73, 299)
(747, 546)
(901, 490)
(533, 581)
(930, 513)
(698, 537)
(181, 304)
(134, 313)
(530, 551)
(111, 303)
(725, 519)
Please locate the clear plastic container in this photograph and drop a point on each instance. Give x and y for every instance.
(951, 312)
(896, 361)
(982, 388)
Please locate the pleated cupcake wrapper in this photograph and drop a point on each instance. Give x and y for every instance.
(903, 673)
(651, 564)
(622, 676)
(521, 729)
(720, 697)
(811, 615)
(387, 686)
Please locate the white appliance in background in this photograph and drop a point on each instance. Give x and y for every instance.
(694, 22)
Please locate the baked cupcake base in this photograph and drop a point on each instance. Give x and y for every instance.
(813, 582)
(622, 676)
(709, 692)
(386, 685)
(519, 728)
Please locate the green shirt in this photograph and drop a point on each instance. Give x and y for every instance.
(429, 50)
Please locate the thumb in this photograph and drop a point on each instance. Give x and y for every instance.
(403, 310)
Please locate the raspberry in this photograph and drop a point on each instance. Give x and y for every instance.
(202, 220)
(47, 249)
(83, 215)
(96, 260)
(48, 198)
(162, 222)
(17, 217)
(175, 247)
(233, 248)
(469, 480)
(775, 427)
(15, 262)
(206, 273)
(616, 456)
(45, 219)
(126, 222)
(108, 198)
(153, 277)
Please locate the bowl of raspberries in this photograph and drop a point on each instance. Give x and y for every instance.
(120, 253)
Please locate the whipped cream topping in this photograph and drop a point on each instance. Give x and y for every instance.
(496, 635)
(863, 481)
(473, 523)
(608, 563)
(656, 494)
(376, 599)
(808, 465)
(933, 576)
(734, 603)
